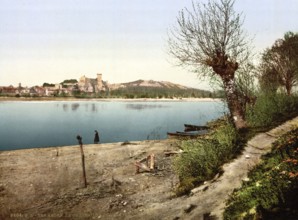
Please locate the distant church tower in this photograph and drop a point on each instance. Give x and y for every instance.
(99, 81)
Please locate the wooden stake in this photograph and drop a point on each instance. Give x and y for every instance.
(152, 162)
(83, 160)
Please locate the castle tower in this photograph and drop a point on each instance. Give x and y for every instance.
(82, 80)
(99, 81)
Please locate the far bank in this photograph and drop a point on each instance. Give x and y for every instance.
(4, 98)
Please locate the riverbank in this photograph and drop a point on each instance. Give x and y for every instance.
(2, 98)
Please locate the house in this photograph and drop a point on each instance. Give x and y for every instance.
(37, 91)
(50, 91)
(24, 91)
(9, 90)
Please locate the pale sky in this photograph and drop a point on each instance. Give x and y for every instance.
(125, 40)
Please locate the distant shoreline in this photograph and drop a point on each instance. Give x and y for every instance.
(108, 99)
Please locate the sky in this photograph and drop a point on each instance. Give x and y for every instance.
(125, 40)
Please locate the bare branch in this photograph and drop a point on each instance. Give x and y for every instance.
(205, 30)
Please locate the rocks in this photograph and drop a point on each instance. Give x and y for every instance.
(189, 208)
(118, 203)
(1, 188)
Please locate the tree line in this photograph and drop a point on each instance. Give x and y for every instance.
(155, 92)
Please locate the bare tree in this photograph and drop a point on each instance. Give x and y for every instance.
(209, 39)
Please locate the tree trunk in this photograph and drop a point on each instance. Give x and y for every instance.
(226, 70)
(234, 102)
(288, 88)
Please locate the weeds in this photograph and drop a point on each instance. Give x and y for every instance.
(203, 158)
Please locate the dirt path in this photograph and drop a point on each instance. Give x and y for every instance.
(46, 183)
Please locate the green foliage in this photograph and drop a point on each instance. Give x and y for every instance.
(228, 138)
(202, 158)
(81, 95)
(156, 92)
(185, 186)
(272, 184)
(70, 81)
(279, 64)
(48, 85)
(271, 108)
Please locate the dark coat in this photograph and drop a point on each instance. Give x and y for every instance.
(96, 137)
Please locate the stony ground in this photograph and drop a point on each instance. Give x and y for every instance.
(47, 183)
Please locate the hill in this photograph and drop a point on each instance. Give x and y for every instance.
(149, 83)
(155, 89)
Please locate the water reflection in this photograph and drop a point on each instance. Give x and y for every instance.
(144, 106)
(88, 107)
(93, 108)
(75, 106)
(155, 134)
(65, 107)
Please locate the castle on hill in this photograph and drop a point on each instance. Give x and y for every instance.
(92, 85)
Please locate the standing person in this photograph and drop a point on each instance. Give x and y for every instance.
(96, 137)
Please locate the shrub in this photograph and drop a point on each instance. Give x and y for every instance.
(271, 108)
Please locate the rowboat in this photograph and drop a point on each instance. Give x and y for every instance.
(179, 134)
(188, 127)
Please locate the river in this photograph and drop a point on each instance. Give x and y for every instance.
(31, 124)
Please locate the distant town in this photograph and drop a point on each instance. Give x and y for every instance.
(97, 88)
(67, 87)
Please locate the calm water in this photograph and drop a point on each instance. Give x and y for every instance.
(42, 124)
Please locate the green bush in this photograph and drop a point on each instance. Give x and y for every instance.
(271, 108)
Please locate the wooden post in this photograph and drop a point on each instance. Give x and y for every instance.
(83, 160)
(152, 162)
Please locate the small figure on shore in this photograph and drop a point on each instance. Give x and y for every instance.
(96, 137)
